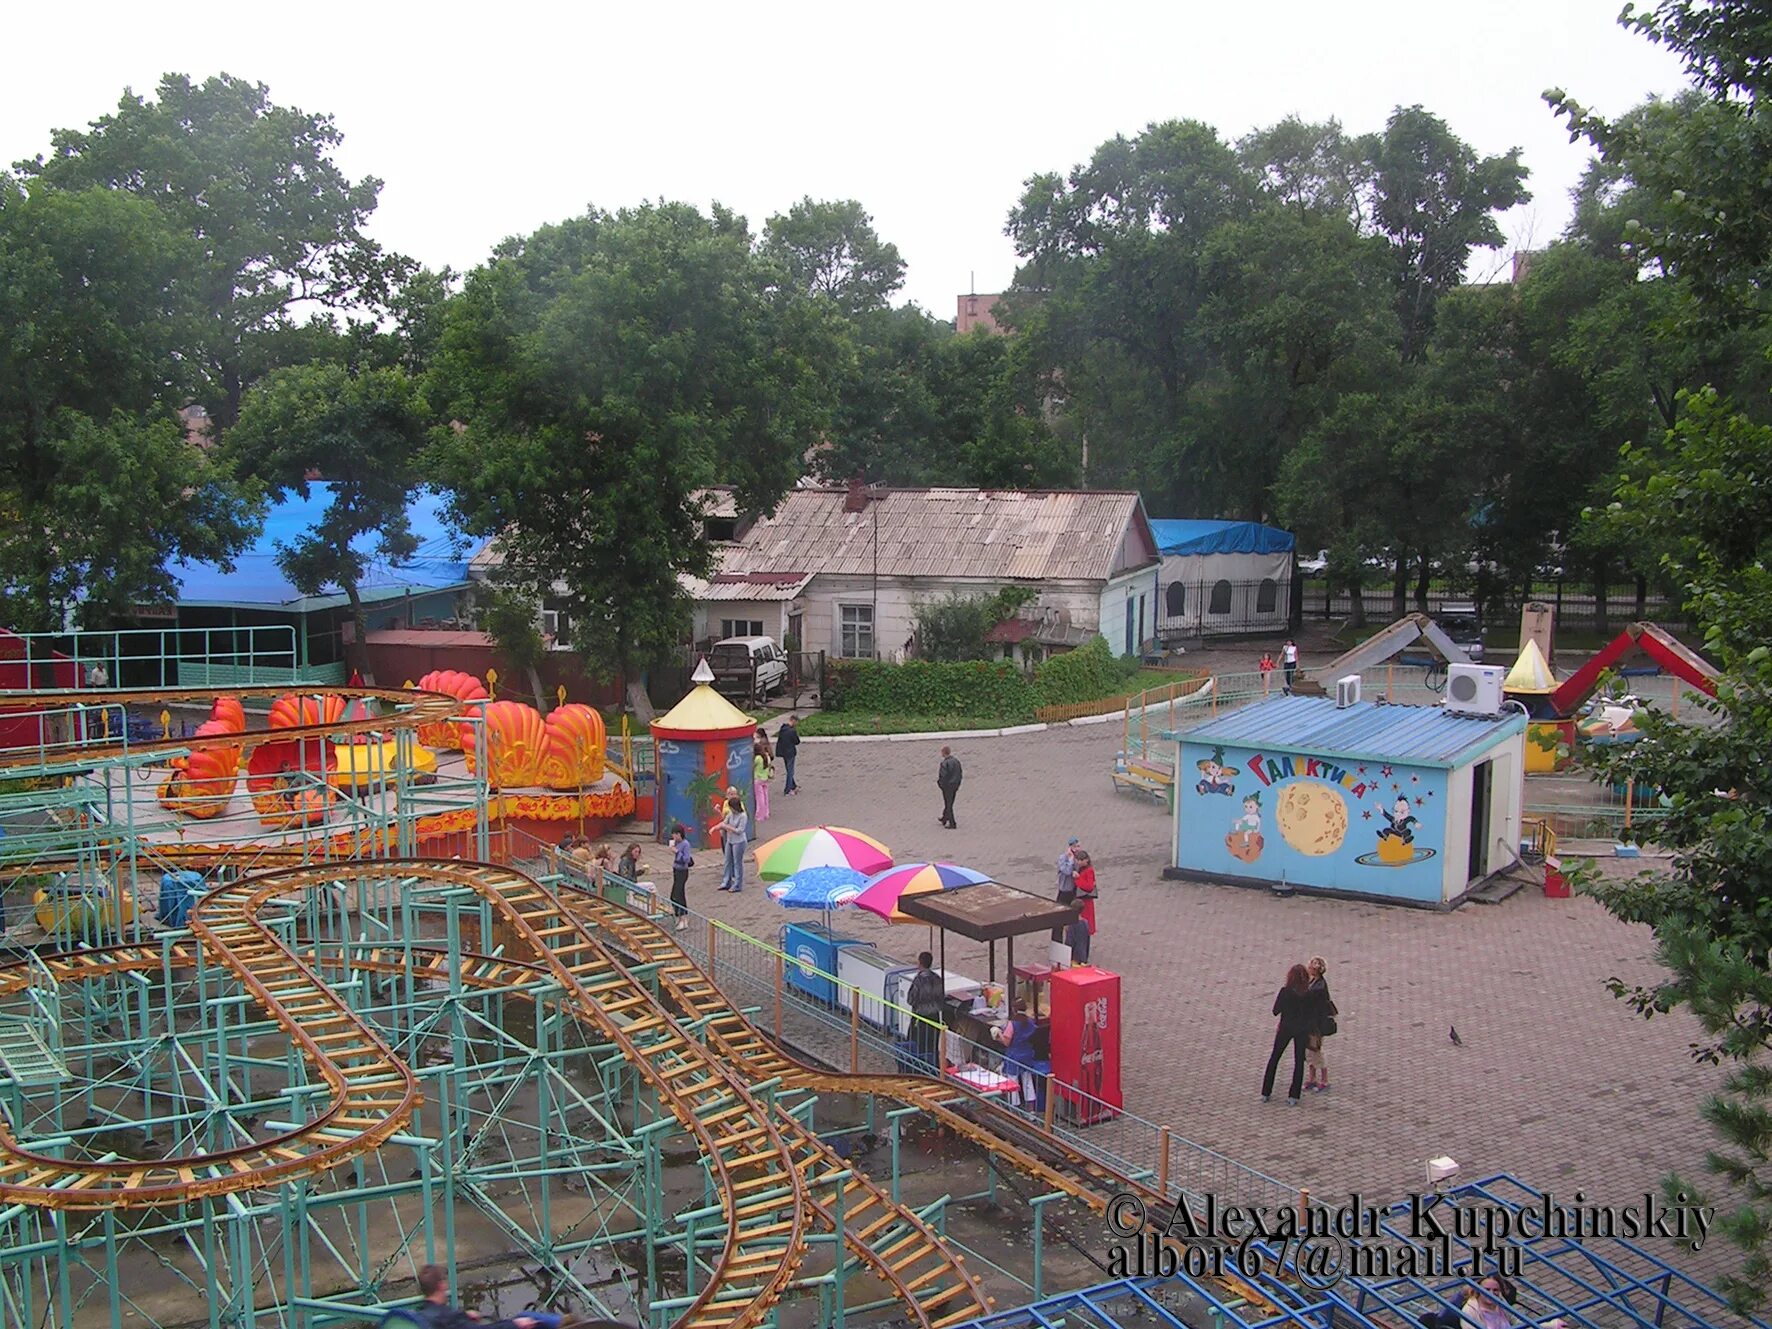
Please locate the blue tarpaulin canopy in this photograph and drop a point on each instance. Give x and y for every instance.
(440, 560)
(1219, 537)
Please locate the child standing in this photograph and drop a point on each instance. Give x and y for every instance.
(762, 767)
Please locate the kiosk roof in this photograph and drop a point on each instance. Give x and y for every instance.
(988, 911)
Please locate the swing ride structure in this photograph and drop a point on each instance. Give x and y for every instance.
(344, 1054)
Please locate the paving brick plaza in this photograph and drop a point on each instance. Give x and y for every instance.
(1557, 1082)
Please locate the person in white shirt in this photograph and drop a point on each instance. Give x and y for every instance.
(1289, 662)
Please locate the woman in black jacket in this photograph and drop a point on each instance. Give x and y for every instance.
(1297, 1020)
(1323, 1010)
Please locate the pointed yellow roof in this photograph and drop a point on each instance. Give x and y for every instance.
(1530, 673)
(703, 712)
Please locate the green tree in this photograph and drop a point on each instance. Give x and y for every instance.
(831, 249)
(361, 433)
(274, 224)
(1113, 279)
(1434, 200)
(598, 374)
(512, 619)
(1699, 210)
(99, 488)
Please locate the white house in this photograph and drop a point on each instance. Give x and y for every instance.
(1222, 577)
(843, 570)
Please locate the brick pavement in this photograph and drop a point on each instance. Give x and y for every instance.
(1557, 1081)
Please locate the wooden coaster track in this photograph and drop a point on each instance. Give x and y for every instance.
(371, 1093)
(899, 1246)
(1001, 1130)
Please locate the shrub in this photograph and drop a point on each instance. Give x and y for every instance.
(923, 687)
(1090, 672)
(953, 627)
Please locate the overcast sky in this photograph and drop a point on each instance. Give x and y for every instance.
(489, 120)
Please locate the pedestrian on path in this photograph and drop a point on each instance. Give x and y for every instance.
(787, 746)
(1289, 662)
(947, 779)
(1294, 1007)
(736, 839)
(1067, 881)
(1086, 889)
(1267, 671)
(1323, 1011)
(762, 767)
(682, 859)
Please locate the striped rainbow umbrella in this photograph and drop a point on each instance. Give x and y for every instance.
(820, 847)
(884, 889)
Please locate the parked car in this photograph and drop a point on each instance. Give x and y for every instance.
(737, 662)
(1316, 565)
(1464, 625)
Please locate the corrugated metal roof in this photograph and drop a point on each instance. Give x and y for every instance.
(1317, 727)
(992, 534)
(752, 587)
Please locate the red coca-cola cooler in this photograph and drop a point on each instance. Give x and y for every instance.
(1086, 1044)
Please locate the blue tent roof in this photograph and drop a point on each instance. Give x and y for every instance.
(1220, 537)
(441, 560)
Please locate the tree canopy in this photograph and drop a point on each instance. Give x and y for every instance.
(100, 488)
(273, 224)
(598, 373)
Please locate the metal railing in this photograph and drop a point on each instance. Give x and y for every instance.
(760, 981)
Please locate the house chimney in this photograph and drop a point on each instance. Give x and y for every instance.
(856, 499)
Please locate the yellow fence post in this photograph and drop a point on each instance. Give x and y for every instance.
(712, 933)
(780, 981)
(1304, 1208)
(855, 1031)
(1163, 1162)
(1630, 789)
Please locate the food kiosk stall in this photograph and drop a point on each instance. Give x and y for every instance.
(988, 912)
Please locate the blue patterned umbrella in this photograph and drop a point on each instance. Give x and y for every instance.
(824, 888)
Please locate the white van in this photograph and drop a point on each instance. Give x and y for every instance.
(736, 661)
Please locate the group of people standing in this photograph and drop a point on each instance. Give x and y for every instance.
(1307, 1016)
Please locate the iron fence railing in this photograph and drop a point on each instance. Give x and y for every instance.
(754, 975)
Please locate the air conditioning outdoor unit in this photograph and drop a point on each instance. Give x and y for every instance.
(1474, 690)
(1347, 691)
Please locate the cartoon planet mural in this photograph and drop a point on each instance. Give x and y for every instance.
(1312, 817)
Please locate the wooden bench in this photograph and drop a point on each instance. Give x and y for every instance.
(1144, 776)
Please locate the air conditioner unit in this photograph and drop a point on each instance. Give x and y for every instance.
(1474, 689)
(1347, 691)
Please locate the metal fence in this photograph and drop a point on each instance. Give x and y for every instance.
(1576, 605)
(754, 975)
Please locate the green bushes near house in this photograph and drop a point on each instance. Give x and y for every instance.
(867, 696)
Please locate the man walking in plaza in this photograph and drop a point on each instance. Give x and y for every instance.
(947, 779)
(787, 746)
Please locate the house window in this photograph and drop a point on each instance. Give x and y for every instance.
(1267, 595)
(556, 629)
(1221, 598)
(741, 627)
(1175, 600)
(1141, 622)
(855, 632)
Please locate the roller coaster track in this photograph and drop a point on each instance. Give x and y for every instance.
(899, 1246)
(371, 1093)
(998, 1128)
